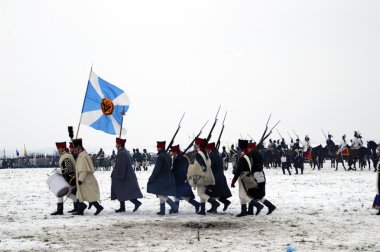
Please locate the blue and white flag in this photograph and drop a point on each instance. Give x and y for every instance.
(104, 105)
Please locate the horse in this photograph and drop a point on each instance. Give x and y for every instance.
(372, 146)
(317, 156)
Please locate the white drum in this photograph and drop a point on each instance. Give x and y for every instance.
(58, 185)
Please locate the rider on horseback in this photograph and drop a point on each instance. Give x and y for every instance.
(307, 148)
(343, 147)
(357, 142)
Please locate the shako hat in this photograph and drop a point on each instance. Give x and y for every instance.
(175, 149)
(211, 146)
(77, 142)
(251, 145)
(61, 145)
(161, 144)
(200, 141)
(243, 144)
(120, 141)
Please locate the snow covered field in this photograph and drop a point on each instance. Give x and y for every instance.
(318, 211)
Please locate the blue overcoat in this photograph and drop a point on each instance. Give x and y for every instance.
(162, 181)
(180, 165)
(124, 184)
(220, 189)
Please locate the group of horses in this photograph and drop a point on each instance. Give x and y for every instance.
(362, 157)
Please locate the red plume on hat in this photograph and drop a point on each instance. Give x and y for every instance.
(71, 145)
(120, 141)
(61, 145)
(161, 144)
(175, 149)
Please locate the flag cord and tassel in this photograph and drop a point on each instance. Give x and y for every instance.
(80, 119)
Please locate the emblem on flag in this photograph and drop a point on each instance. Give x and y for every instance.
(104, 105)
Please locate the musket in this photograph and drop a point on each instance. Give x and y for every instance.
(213, 126)
(279, 133)
(221, 132)
(291, 138)
(296, 135)
(324, 134)
(270, 132)
(175, 134)
(250, 137)
(192, 142)
(266, 128)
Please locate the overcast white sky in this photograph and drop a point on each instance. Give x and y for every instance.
(312, 64)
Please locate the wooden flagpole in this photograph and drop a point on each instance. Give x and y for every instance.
(121, 125)
(80, 119)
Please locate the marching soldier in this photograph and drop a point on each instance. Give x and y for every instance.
(87, 185)
(246, 182)
(180, 168)
(124, 184)
(257, 170)
(200, 175)
(220, 190)
(67, 167)
(162, 181)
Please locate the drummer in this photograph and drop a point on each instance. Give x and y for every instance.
(67, 169)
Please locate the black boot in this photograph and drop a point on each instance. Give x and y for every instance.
(137, 204)
(176, 203)
(122, 207)
(270, 206)
(195, 204)
(75, 207)
(90, 205)
(243, 211)
(59, 209)
(162, 209)
(254, 203)
(81, 207)
(203, 209)
(378, 212)
(98, 207)
(215, 204)
(174, 207)
(226, 203)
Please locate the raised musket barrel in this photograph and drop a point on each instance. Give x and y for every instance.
(58, 185)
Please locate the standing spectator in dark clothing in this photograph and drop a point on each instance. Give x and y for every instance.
(225, 158)
(139, 160)
(124, 184)
(284, 163)
(146, 159)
